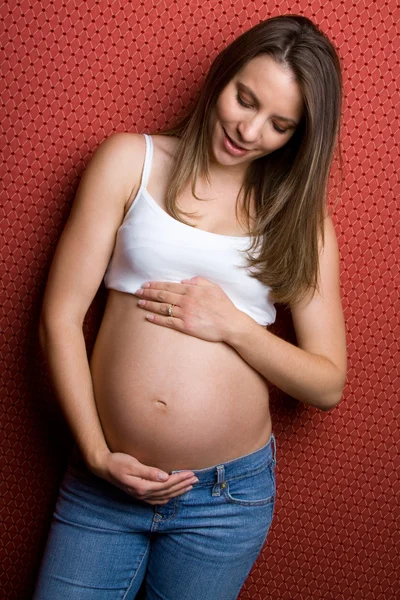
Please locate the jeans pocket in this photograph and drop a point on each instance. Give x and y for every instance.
(256, 488)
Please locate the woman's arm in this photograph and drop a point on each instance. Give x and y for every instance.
(77, 269)
(80, 261)
(313, 372)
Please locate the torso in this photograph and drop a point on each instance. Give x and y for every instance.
(172, 400)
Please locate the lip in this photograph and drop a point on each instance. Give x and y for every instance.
(233, 149)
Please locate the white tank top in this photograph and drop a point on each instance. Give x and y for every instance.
(153, 246)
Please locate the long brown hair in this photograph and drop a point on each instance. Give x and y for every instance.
(290, 184)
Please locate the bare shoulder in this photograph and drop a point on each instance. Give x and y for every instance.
(125, 143)
(117, 165)
(125, 153)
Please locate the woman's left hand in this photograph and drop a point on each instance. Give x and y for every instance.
(200, 308)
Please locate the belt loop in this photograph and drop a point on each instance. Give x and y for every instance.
(216, 491)
(273, 446)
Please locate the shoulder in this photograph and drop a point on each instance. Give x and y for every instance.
(123, 155)
(125, 149)
(119, 159)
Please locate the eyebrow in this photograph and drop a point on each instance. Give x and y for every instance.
(254, 97)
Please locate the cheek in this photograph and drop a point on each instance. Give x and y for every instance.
(225, 109)
(279, 143)
(273, 144)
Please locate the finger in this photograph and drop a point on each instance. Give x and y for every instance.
(158, 296)
(167, 286)
(199, 281)
(142, 486)
(150, 473)
(175, 490)
(175, 482)
(165, 499)
(160, 308)
(171, 322)
(143, 490)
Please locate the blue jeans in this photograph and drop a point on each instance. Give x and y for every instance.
(199, 546)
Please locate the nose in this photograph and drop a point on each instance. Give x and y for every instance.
(250, 129)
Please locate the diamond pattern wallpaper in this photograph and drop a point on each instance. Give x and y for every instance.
(75, 71)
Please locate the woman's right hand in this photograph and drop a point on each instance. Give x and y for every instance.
(148, 484)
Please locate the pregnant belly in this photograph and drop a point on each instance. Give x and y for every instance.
(172, 400)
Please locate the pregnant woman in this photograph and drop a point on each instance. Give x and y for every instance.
(197, 232)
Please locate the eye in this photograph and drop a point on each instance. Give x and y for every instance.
(278, 129)
(242, 102)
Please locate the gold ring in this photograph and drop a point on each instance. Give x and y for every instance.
(171, 310)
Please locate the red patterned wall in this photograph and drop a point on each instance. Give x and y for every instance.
(75, 71)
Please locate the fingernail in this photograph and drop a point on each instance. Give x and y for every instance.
(142, 302)
(188, 488)
(162, 476)
(139, 292)
(145, 285)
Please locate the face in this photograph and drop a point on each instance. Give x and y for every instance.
(255, 114)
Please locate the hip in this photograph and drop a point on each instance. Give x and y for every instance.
(201, 544)
(248, 481)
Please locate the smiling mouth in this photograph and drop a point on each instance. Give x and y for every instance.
(234, 143)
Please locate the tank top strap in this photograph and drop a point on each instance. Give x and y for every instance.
(148, 159)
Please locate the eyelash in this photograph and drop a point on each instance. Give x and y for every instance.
(245, 105)
(242, 102)
(278, 129)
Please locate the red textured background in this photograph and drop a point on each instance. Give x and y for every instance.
(74, 72)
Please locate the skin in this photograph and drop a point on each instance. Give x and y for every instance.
(259, 110)
(134, 406)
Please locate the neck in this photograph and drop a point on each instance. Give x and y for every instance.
(231, 177)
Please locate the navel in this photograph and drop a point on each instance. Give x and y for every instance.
(161, 404)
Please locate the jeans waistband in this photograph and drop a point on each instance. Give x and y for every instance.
(238, 467)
